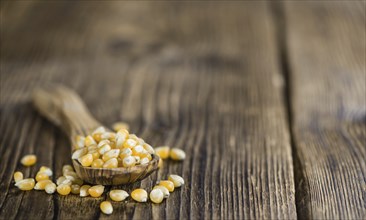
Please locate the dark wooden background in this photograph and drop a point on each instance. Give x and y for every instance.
(267, 99)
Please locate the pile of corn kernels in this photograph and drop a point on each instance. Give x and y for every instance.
(104, 149)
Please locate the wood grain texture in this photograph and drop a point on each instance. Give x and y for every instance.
(199, 76)
(326, 50)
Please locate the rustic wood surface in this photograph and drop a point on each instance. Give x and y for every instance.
(265, 98)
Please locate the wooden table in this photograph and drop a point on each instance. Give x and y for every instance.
(268, 100)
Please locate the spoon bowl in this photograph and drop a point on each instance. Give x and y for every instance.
(65, 108)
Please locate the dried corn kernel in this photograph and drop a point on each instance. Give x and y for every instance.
(177, 154)
(137, 150)
(98, 163)
(130, 143)
(60, 180)
(139, 195)
(63, 189)
(78, 181)
(160, 164)
(156, 196)
(29, 160)
(112, 163)
(46, 170)
(42, 176)
(95, 154)
(162, 152)
(18, 176)
(148, 148)
(144, 160)
(89, 140)
(129, 161)
(67, 167)
(120, 125)
(125, 153)
(108, 135)
(167, 184)
(103, 142)
(75, 189)
(118, 195)
(96, 191)
(50, 188)
(41, 185)
(164, 190)
(79, 141)
(84, 190)
(25, 184)
(114, 153)
(178, 181)
(106, 207)
(86, 160)
(133, 136)
(79, 153)
(105, 148)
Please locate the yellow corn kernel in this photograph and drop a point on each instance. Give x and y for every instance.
(86, 160)
(113, 144)
(156, 196)
(144, 160)
(99, 130)
(78, 181)
(103, 142)
(84, 190)
(112, 163)
(162, 152)
(167, 184)
(137, 150)
(42, 176)
(98, 163)
(89, 140)
(79, 153)
(106, 207)
(95, 154)
(129, 161)
(148, 148)
(67, 167)
(130, 143)
(108, 135)
(46, 170)
(134, 137)
(120, 139)
(25, 184)
(140, 141)
(164, 190)
(120, 125)
(114, 153)
(63, 189)
(96, 191)
(41, 185)
(79, 141)
(160, 164)
(125, 153)
(139, 195)
(18, 176)
(177, 154)
(105, 148)
(123, 132)
(75, 189)
(29, 160)
(50, 188)
(60, 180)
(92, 148)
(178, 181)
(97, 137)
(118, 195)
(145, 154)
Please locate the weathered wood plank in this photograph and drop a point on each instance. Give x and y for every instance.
(326, 49)
(199, 76)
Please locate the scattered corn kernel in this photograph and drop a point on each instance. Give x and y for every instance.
(139, 195)
(86, 160)
(120, 125)
(96, 191)
(67, 167)
(63, 189)
(18, 176)
(25, 184)
(160, 164)
(42, 176)
(177, 154)
(84, 190)
(167, 184)
(50, 188)
(177, 180)
(164, 190)
(129, 161)
(41, 185)
(46, 170)
(79, 153)
(156, 196)
(29, 160)
(78, 181)
(162, 152)
(118, 195)
(112, 163)
(98, 163)
(60, 180)
(75, 189)
(106, 207)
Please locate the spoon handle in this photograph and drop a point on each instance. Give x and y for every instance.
(64, 107)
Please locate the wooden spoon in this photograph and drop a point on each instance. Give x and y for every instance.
(65, 108)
